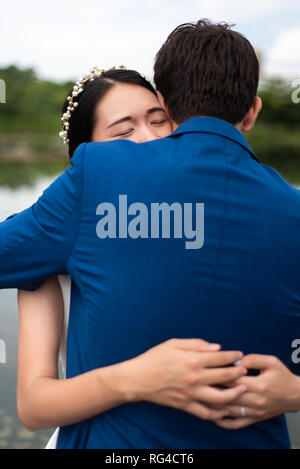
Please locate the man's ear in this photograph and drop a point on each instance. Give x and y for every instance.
(251, 116)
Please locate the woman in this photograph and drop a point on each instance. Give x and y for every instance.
(103, 106)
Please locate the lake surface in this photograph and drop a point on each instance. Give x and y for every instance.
(12, 433)
(19, 188)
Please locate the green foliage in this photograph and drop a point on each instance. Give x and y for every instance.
(278, 146)
(32, 105)
(30, 121)
(16, 174)
(278, 107)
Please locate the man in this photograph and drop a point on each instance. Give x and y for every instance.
(225, 269)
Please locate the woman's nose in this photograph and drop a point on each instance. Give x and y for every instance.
(145, 134)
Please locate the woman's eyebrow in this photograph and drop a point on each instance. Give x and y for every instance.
(155, 109)
(124, 119)
(128, 118)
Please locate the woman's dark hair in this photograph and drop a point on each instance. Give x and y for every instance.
(82, 120)
(207, 69)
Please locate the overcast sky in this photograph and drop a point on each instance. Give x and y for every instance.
(63, 39)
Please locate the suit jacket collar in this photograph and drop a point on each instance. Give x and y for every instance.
(212, 125)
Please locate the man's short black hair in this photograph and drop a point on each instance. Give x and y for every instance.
(207, 69)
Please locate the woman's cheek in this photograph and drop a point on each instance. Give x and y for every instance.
(165, 131)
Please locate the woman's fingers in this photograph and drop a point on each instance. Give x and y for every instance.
(204, 412)
(250, 399)
(195, 345)
(222, 375)
(184, 372)
(220, 358)
(259, 362)
(211, 395)
(236, 411)
(210, 359)
(236, 424)
(255, 384)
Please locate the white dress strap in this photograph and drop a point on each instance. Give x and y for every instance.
(53, 440)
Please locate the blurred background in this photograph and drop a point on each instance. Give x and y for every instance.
(46, 46)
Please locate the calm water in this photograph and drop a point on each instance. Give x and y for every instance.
(17, 193)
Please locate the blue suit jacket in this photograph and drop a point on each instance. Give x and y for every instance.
(240, 289)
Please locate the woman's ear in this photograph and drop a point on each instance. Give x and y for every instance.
(251, 116)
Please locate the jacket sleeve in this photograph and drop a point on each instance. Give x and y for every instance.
(39, 241)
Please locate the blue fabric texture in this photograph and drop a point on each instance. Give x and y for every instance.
(240, 289)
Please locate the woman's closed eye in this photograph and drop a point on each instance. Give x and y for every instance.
(122, 134)
(160, 122)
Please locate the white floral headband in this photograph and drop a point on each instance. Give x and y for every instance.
(95, 72)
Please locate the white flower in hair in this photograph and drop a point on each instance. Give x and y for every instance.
(95, 72)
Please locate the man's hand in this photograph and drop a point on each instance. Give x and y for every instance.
(273, 392)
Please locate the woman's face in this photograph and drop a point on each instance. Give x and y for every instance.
(131, 112)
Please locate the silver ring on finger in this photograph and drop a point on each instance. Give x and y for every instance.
(243, 411)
